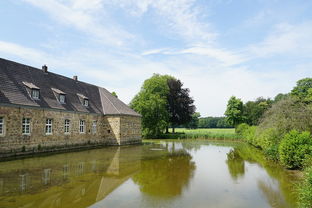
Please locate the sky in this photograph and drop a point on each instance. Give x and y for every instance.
(217, 48)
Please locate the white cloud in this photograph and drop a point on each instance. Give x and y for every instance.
(285, 39)
(83, 15)
(181, 17)
(212, 73)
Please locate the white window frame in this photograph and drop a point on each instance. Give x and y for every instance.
(86, 102)
(2, 126)
(62, 98)
(67, 126)
(26, 130)
(94, 127)
(35, 93)
(49, 126)
(82, 126)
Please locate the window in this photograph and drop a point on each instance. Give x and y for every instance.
(1, 125)
(62, 98)
(48, 129)
(86, 102)
(94, 127)
(26, 126)
(82, 126)
(66, 126)
(35, 93)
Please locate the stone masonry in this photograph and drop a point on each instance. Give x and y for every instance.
(110, 130)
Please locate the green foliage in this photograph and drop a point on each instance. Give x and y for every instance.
(234, 111)
(114, 94)
(253, 110)
(180, 104)
(241, 128)
(213, 122)
(280, 96)
(303, 90)
(305, 190)
(193, 124)
(162, 101)
(151, 103)
(249, 134)
(286, 115)
(294, 149)
(224, 134)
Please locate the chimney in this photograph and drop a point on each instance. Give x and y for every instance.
(75, 78)
(45, 68)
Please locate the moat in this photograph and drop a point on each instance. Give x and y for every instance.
(161, 173)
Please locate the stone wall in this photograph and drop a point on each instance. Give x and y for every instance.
(110, 130)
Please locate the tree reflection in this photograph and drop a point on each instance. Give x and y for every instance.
(236, 164)
(273, 195)
(166, 176)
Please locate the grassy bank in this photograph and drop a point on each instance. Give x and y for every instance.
(182, 133)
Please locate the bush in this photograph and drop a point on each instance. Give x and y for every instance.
(294, 149)
(250, 134)
(286, 115)
(267, 139)
(241, 128)
(305, 190)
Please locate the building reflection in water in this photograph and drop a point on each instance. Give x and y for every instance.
(96, 174)
(83, 178)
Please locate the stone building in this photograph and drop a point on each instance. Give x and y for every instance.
(42, 111)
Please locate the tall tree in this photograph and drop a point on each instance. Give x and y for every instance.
(234, 111)
(180, 104)
(151, 103)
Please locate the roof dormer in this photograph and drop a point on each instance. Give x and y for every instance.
(32, 90)
(61, 96)
(84, 100)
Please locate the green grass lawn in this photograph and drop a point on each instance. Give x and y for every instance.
(201, 131)
(182, 133)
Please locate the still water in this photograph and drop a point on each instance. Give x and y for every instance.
(161, 173)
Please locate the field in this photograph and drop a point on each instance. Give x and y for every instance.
(182, 133)
(204, 131)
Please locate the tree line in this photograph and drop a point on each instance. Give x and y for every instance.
(281, 128)
(273, 125)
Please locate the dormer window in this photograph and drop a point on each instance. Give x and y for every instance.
(35, 93)
(62, 98)
(86, 102)
(33, 90)
(60, 95)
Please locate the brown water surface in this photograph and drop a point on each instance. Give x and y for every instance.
(162, 173)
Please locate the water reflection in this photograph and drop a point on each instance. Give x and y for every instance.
(166, 176)
(159, 174)
(66, 180)
(236, 164)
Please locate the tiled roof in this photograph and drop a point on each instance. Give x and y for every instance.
(16, 79)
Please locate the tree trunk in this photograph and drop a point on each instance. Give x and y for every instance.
(167, 130)
(173, 130)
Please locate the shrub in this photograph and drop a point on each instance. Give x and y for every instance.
(286, 115)
(241, 128)
(294, 148)
(250, 135)
(268, 138)
(305, 190)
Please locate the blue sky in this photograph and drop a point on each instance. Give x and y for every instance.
(217, 48)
